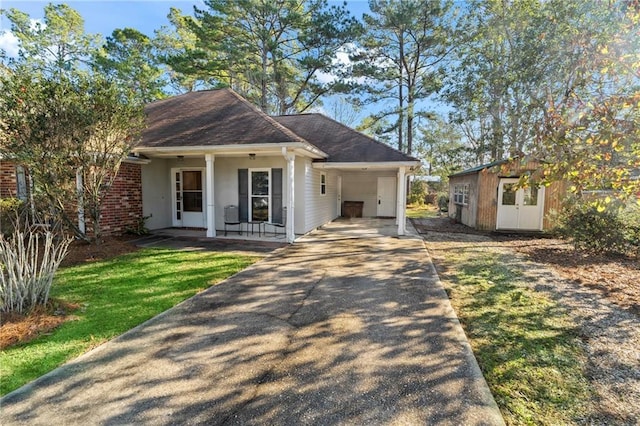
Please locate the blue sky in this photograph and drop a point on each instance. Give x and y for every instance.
(144, 15)
(103, 17)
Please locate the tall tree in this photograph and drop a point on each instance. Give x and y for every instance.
(443, 148)
(271, 51)
(55, 46)
(68, 131)
(67, 124)
(128, 56)
(404, 43)
(591, 127)
(557, 78)
(177, 49)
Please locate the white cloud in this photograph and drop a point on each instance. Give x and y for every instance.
(9, 43)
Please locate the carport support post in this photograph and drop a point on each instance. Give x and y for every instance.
(211, 216)
(401, 199)
(291, 168)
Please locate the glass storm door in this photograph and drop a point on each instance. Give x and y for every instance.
(188, 208)
(519, 208)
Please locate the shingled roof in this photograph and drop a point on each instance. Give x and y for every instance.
(222, 117)
(341, 143)
(209, 118)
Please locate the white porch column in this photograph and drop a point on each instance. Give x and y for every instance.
(80, 193)
(211, 214)
(401, 199)
(291, 168)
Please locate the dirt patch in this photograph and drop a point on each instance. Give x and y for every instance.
(83, 252)
(616, 278)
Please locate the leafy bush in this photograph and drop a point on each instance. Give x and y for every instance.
(418, 192)
(140, 226)
(443, 202)
(598, 229)
(10, 210)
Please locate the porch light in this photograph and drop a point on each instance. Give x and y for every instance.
(180, 158)
(252, 156)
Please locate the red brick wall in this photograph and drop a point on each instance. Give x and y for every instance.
(122, 207)
(8, 183)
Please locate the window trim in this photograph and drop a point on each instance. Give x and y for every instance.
(461, 194)
(250, 194)
(323, 184)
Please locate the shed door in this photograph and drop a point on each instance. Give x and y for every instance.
(519, 209)
(386, 197)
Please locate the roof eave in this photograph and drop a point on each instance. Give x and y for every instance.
(359, 165)
(300, 148)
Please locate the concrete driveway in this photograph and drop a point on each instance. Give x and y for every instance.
(346, 326)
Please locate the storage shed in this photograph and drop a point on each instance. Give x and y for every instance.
(487, 197)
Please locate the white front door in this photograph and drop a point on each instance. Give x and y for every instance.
(519, 208)
(386, 197)
(188, 198)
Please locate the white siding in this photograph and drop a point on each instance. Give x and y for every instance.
(319, 208)
(226, 180)
(156, 194)
(363, 186)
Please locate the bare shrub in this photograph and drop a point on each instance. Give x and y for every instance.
(28, 262)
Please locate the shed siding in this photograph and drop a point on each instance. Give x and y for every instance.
(469, 210)
(482, 211)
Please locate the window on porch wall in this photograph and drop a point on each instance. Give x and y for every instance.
(260, 194)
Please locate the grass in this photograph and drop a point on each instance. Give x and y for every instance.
(416, 211)
(526, 346)
(115, 295)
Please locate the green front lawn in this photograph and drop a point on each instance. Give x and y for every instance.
(415, 211)
(115, 295)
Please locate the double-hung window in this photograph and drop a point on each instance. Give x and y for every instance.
(323, 183)
(461, 194)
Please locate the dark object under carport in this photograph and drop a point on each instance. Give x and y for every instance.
(352, 208)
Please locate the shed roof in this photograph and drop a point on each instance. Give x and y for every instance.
(479, 168)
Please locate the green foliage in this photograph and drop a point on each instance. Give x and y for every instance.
(418, 193)
(270, 52)
(128, 57)
(401, 52)
(140, 227)
(115, 296)
(10, 211)
(443, 202)
(601, 228)
(57, 45)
